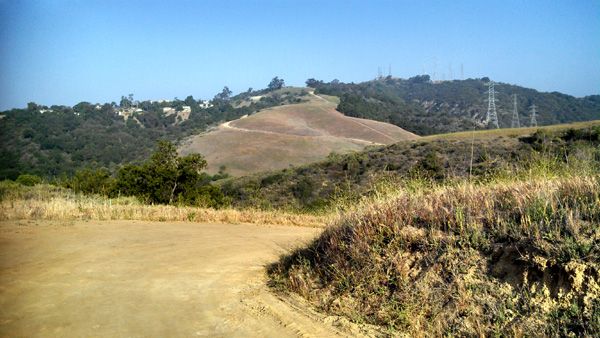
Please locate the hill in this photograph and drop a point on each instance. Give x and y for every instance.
(511, 250)
(426, 107)
(58, 140)
(288, 135)
(320, 185)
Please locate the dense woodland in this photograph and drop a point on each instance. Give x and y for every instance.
(426, 107)
(56, 141)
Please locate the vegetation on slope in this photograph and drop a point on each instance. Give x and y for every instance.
(516, 255)
(51, 202)
(321, 186)
(289, 135)
(426, 107)
(58, 140)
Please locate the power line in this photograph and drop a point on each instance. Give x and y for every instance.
(533, 122)
(515, 123)
(491, 115)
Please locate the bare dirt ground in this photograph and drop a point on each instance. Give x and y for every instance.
(141, 279)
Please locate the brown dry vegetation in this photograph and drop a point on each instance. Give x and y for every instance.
(293, 134)
(47, 202)
(510, 132)
(502, 258)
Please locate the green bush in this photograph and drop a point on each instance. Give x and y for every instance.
(91, 181)
(167, 178)
(29, 180)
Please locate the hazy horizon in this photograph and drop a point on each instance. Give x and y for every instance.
(64, 52)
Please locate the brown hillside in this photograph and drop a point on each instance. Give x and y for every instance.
(294, 134)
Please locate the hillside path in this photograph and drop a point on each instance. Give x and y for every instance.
(227, 125)
(141, 279)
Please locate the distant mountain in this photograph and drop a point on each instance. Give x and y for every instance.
(288, 135)
(426, 107)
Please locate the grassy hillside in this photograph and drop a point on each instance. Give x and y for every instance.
(513, 250)
(425, 107)
(288, 135)
(505, 258)
(322, 185)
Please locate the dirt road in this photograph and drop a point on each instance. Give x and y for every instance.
(140, 279)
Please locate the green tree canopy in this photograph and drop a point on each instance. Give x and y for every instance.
(276, 83)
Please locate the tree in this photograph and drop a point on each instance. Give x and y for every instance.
(32, 106)
(189, 101)
(125, 102)
(276, 83)
(165, 177)
(224, 95)
(313, 83)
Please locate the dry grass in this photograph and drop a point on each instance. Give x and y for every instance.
(52, 203)
(501, 258)
(510, 132)
(294, 134)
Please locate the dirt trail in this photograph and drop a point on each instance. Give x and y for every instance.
(140, 279)
(227, 125)
(327, 107)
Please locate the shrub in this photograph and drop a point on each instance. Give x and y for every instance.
(29, 180)
(91, 181)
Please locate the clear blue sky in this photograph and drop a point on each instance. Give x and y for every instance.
(64, 52)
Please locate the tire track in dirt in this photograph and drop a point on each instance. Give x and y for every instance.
(140, 279)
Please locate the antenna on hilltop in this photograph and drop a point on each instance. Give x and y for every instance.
(390, 70)
(515, 123)
(491, 115)
(462, 72)
(533, 122)
(379, 74)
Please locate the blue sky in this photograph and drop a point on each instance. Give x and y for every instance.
(64, 52)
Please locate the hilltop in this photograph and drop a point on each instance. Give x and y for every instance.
(428, 107)
(288, 135)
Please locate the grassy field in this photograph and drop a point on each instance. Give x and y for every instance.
(509, 132)
(289, 135)
(48, 202)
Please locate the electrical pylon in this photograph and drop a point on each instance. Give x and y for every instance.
(491, 115)
(533, 122)
(515, 123)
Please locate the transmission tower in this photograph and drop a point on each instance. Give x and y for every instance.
(533, 122)
(491, 115)
(515, 123)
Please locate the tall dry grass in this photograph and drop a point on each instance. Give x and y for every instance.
(465, 259)
(48, 202)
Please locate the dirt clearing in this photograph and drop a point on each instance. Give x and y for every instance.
(141, 279)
